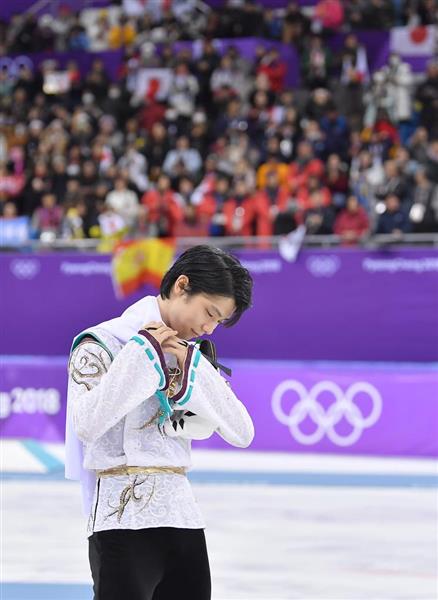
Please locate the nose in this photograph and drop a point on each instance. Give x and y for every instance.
(209, 328)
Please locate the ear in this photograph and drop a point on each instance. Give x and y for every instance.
(181, 284)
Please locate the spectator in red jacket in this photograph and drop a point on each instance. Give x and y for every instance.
(275, 69)
(305, 192)
(243, 215)
(274, 205)
(163, 211)
(303, 167)
(210, 208)
(352, 223)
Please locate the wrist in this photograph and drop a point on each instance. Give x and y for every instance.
(159, 352)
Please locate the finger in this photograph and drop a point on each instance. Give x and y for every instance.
(169, 344)
(165, 335)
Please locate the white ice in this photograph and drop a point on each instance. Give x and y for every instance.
(271, 542)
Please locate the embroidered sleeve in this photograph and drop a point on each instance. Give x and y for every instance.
(206, 394)
(101, 391)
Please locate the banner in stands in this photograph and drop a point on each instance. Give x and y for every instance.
(333, 304)
(18, 7)
(295, 407)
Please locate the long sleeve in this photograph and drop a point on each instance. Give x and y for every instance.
(207, 394)
(102, 391)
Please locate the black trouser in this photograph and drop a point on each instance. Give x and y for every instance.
(161, 563)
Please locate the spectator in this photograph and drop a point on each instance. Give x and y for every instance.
(211, 205)
(424, 211)
(156, 149)
(335, 179)
(318, 218)
(97, 81)
(183, 92)
(303, 167)
(136, 166)
(163, 209)
(37, 185)
(427, 96)
(8, 211)
(243, 216)
(393, 183)
(394, 220)
(336, 131)
(418, 145)
(352, 223)
(274, 204)
(431, 162)
(272, 26)
(183, 159)
(328, 16)
(273, 164)
(354, 75)
(123, 202)
(316, 63)
(274, 68)
(295, 24)
(73, 223)
(122, 33)
(305, 193)
(226, 81)
(47, 218)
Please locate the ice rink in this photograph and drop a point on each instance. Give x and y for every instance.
(279, 526)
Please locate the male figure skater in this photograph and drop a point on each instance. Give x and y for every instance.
(139, 392)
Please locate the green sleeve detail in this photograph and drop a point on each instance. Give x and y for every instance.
(78, 339)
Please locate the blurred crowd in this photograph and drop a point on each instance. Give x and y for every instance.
(127, 21)
(227, 148)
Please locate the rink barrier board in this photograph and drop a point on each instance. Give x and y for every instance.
(337, 408)
(335, 305)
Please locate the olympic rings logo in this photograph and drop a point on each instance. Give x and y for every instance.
(323, 266)
(25, 268)
(326, 420)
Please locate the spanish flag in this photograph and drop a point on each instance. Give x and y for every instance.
(140, 262)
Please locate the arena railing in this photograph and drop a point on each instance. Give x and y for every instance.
(254, 242)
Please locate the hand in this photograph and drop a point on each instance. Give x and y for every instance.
(172, 345)
(159, 331)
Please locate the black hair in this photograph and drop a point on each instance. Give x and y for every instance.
(212, 271)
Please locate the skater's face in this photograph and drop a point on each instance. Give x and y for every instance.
(196, 315)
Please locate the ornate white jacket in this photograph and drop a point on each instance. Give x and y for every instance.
(117, 399)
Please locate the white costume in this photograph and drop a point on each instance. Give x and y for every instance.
(118, 414)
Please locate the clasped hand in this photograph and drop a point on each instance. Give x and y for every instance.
(168, 340)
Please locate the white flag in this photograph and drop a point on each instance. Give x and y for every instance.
(413, 41)
(290, 245)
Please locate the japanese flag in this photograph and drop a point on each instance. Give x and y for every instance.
(413, 41)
